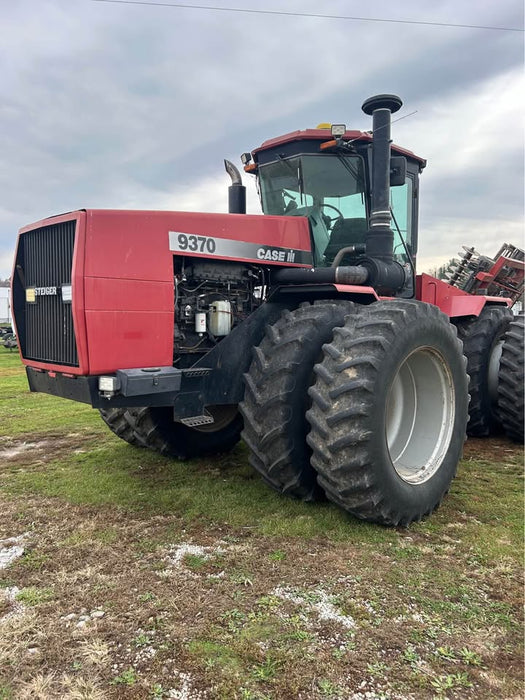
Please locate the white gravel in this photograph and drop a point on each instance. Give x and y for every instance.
(186, 690)
(15, 607)
(82, 618)
(177, 553)
(10, 549)
(323, 607)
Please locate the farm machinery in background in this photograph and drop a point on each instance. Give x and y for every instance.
(501, 275)
(8, 338)
(306, 330)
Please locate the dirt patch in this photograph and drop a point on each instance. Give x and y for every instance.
(497, 448)
(146, 607)
(42, 449)
(104, 602)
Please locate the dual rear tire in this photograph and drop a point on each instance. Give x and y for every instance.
(386, 408)
(493, 344)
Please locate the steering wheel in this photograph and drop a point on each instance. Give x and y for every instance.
(333, 219)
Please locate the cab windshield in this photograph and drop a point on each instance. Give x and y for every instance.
(328, 189)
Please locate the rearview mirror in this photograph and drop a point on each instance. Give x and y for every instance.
(398, 171)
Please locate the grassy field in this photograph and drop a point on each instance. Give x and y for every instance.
(129, 575)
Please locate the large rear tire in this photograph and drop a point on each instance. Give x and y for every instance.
(389, 412)
(482, 345)
(154, 428)
(276, 396)
(511, 380)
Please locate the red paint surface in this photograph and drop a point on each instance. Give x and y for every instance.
(122, 279)
(452, 301)
(351, 289)
(515, 277)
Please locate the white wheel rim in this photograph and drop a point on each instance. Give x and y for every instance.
(420, 414)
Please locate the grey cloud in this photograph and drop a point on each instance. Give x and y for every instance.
(98, 100)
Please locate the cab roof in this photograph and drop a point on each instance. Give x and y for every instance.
(325, 135)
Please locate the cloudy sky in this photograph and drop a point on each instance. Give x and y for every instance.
(131, 106)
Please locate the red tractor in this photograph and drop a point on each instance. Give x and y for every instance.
(305, 331)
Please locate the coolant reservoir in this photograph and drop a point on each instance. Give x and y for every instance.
(220, 318)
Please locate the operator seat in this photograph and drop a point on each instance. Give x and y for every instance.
(345, 232)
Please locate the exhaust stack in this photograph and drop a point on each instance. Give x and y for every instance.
(385, 274)
(236, 191)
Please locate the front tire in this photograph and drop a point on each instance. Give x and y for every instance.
(120, 422)
(389, 412)
(154, 428)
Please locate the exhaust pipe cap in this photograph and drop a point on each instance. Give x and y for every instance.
(390, 102)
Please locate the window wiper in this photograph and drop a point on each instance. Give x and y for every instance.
(297, 172)
(300, 180)
(290, 167)
(353, 170)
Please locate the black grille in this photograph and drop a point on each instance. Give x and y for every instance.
(44, 260)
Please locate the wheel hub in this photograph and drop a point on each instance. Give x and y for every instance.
(420, 415)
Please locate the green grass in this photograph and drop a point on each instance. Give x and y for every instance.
(22, 411)
(215, 655)
(111, 472)
(435, 606)
(226, 490)
(35, 596)
(114, 473)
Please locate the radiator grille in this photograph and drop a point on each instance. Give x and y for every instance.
(46, 261)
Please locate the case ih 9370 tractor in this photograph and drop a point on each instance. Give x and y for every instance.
(305, 331)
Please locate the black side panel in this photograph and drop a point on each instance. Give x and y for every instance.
(45, 326)
(233, 355)
(85, 390)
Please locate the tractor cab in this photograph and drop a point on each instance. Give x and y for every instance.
(328, 180)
